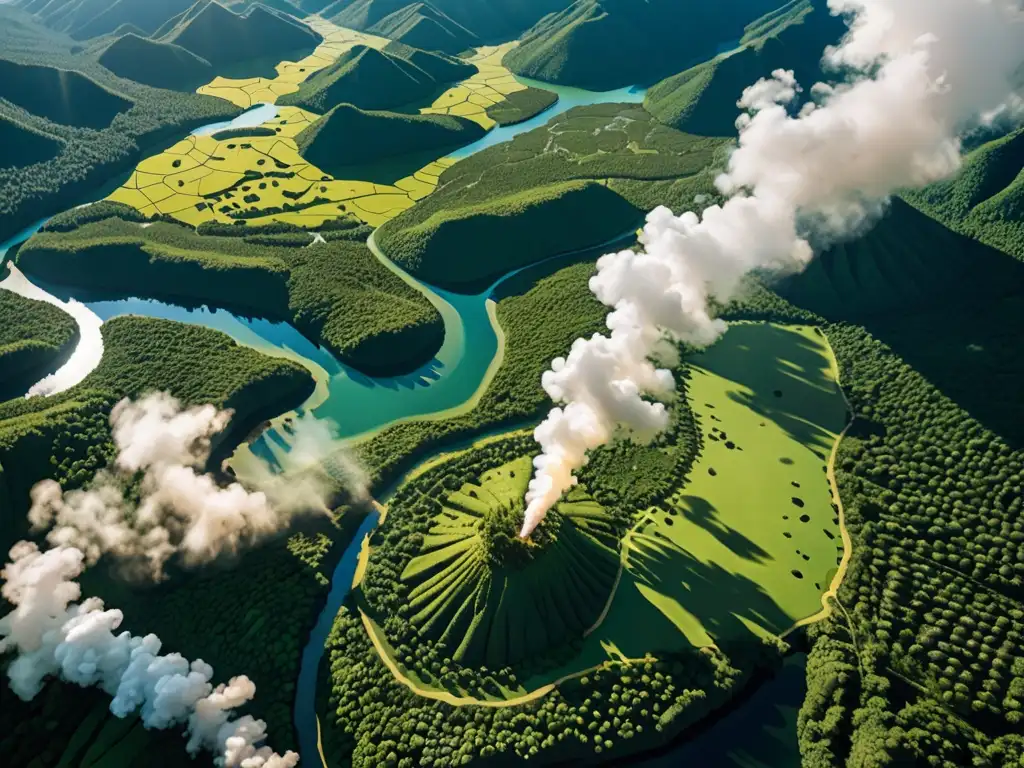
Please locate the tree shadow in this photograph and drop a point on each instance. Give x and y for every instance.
(424, 376)
(702, 513)
(721, 600)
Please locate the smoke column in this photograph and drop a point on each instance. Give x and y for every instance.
(918, 73)
(55, 636)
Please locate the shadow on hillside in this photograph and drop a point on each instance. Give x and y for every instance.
(702, 513)
(950, 306)
(722, 601)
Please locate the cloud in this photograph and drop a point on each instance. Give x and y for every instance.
(54, 636)
(918, 74)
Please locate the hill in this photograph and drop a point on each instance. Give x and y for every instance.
(161, 65)
(606, 44)
(33, 337)
(421, 25)
(222, 37)
(603, 164)
(372, 79)
(702, 99)
(348, 135)
(986, 198)
(61, 96)
(20, 146)
(492, 21)
(91, 18)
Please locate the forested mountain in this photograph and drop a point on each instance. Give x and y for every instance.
(34, 336)
(60, 96)
(986, 199)
(222, 37)
(421, 25)
(702, 99)
(372, 79)
(22, 147)
(347, 135)
(489, 20)
(89, 18)
(161, 65)
(606, 44)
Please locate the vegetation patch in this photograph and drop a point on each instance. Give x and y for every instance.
(488, 87)
(60, 96)
(348, 135)
(520, 106)
(161, 65)
(34, 336)
(517, 196)
(21, 147)
(422, 25)
(336, 291)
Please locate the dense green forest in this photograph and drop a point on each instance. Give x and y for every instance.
(160, 65)
(702, 99)
(335, 292)
(348, 135)
(606, 44)
(422, 25)
(21, 147)
(491, 21)
(88, 156)
(520, 106)
(222, 37)
(34, 338)
(372, 79)
(517, 196)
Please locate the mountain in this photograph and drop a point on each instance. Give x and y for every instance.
(90, 18)
(372, 79)
(606, 44)
(161, 65)
(490, 20)
(702, 99)
(222, 37)
(61, 96)
(348, 135)
(421, 25)
(986, 198)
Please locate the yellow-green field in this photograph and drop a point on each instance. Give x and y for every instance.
(290, 74)
(489, 86)
(202, 179)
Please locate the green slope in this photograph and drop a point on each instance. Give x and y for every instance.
(510, 204)
(61, 96)
(605, 44)
(33, 336)
(348, 135)
(702, 99)
(421, 25)
(222, 37)
(986, 198)
(90, 18)
(20, 146)
(372, 79)
(161, 65)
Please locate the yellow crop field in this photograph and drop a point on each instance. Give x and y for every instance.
(489, 86)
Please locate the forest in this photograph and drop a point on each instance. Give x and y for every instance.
(34, 338)
(335, 292)
(539, 177)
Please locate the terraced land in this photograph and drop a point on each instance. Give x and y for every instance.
(263, 179)
(472, 97)
(246, 92)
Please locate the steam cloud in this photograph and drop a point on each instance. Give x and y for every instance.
(918, 74)
(55, 636)
(180, 509)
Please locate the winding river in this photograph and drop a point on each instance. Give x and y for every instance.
(355, 404)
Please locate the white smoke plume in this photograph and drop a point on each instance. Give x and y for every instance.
(55, 636)
(180, 510)
(918, 73)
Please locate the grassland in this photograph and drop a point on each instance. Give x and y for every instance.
(517, 196)
(335, 292)
(34, 336)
